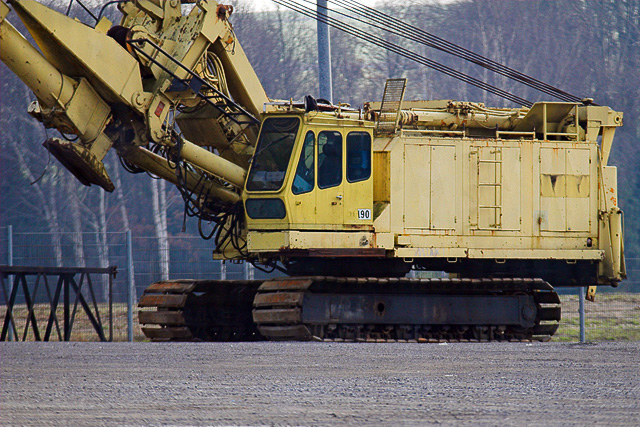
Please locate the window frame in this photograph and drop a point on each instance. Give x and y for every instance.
(318, 158)
(252, 171)
(369, 153)
(301, 160)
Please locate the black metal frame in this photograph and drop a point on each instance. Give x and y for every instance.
(66, 284)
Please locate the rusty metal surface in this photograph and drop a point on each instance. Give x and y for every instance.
(406, 309)
(161, 317)
(164, 301)
(199, 310)
(174, 287)
(336, 253)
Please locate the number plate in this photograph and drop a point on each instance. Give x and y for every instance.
(364, 214)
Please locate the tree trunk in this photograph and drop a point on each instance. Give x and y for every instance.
(76, 222)
(44, 202)
(103, 243)
(159, 201)
(124, 213)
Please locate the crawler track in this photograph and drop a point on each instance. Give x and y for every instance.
(199, 310)
(351, 309)
(413, 310)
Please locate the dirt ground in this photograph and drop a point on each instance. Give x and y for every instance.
(131, 384)
(612, 317)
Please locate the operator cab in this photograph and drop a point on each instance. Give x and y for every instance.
(311, 171)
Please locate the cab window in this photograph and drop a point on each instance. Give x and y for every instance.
(303, 181)
(273, 152)
(329, 159)
(358, 156)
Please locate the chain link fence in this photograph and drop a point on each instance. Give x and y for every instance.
(139, 262)
(615, 315)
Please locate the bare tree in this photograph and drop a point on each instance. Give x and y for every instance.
(159, 213)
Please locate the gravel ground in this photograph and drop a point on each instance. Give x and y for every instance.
(91, 384)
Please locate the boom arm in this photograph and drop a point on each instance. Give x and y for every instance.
(127, 86)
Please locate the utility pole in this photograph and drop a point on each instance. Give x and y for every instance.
(324, 54)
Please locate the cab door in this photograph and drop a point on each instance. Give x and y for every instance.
(358, 185)
(330, 186)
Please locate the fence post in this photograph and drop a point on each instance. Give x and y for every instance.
(130, 287)
(223, 271)
(581, 297)
(10, 278)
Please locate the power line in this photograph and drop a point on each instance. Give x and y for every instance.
(415, 34)
(360, 34)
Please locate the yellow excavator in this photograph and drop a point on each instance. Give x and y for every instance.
(509, 202)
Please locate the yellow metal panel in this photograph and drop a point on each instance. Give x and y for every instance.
(610, 178)
(568, 254)
(330, 240)
(381, 177)
(262, 241)
(358, 202)
(577, 214)
(578, 188)
(443, 187)
(553, 185)
(491, 239)
(4, 10)
(500, 254)
(384, 240)
(301, 207)
(103, 25)
(382, 217)
(552, 161)
(578, 161)
(554, 213)
(444, 252)
(87, 110)
(416, 185)
(396, 207)
(265, 241)
(553, 189)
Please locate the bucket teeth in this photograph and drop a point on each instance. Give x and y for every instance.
(80, 162)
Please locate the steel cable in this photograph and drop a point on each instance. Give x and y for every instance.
(351, 30)
(415, 34)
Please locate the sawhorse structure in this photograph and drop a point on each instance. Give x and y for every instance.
(66, 287)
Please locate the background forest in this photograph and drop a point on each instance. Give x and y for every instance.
(590, 48)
